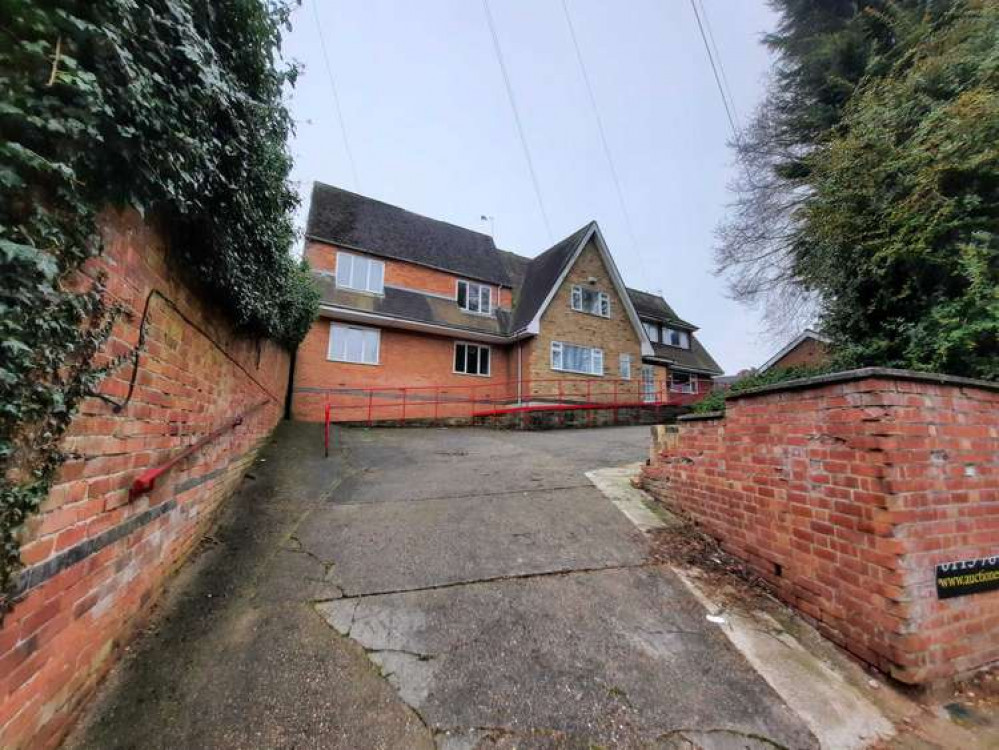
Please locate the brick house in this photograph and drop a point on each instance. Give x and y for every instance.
(808, 349)
(412, 303)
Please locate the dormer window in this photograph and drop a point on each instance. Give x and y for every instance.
(666, 335)
(675, 337)
(359, 273)
(475, 298)
(590, 301)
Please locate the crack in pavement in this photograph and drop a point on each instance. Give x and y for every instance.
(561, 572)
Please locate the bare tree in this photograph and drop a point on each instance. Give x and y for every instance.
(759, 242)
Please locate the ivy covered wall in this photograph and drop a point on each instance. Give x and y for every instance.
(169, 106)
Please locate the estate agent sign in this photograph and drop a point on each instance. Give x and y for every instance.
(967, 576)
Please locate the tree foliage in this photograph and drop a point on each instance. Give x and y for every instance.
(869, 185)
(715, 401)
(171, 106)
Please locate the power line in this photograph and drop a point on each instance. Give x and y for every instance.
(603, 134)
(714, 69)
(721, 64)
(516, 117)
(336, 97)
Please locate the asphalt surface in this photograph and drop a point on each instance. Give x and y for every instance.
(462, 588)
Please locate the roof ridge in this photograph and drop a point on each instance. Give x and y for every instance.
(316, 183)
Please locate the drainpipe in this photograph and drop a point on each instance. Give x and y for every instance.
(520, 372)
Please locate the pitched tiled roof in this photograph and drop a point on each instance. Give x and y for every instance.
(653, 306)
(516, 268)
(696, 357)
(341, 217)
(540, 275)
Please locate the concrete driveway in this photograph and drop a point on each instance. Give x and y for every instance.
(510, 603)
(497, 599)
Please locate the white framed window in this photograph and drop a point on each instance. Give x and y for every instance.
(581, 359)
(624, 366)
(472, 359)
(682, 382)
(675, 337)
(476, 298)
(355, 344)
(652, 330)
(584, 299)
(360, 273)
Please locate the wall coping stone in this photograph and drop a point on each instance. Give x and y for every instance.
(696, 417)
(864, 373)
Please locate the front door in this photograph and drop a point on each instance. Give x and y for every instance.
(648, 384)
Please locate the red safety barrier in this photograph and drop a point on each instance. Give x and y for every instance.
(440, 402)
(146, 481)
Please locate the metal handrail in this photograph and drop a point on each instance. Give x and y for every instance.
(146, 481)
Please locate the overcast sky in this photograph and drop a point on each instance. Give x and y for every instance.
(431, 129)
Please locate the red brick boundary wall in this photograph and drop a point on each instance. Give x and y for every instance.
(96, 559)
(846, 491)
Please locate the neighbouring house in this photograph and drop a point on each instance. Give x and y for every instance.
(416, 312)
(808, 349)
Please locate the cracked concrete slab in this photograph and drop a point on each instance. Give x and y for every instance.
(396, 546)
(618, 657)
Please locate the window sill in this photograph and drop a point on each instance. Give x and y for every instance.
(351, 362)
(479, 314)
(365, 292)
(591, 314)
(579, 372)
(472, 374)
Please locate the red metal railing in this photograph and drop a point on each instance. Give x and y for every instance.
(438, 402)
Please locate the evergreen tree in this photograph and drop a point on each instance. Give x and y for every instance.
(869, 190)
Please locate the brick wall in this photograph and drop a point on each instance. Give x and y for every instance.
(412, 360)
(615, 335)
(95, 559)
(845, 492)
(322, 257)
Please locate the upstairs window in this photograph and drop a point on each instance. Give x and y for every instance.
(590, 301)
(360, 273)
(624, 366)
(476, 298)
(354, 344)
(652, 330)
(471, 359)
(581, 359)
(674, 337)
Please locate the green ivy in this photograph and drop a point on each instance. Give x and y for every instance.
(170, 106)
(715, 401)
